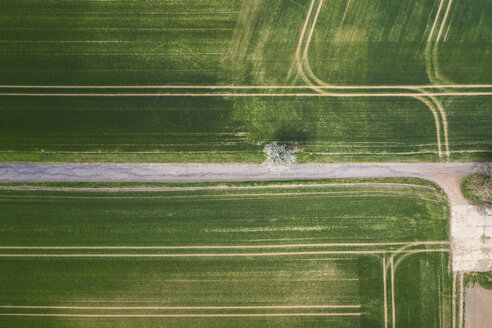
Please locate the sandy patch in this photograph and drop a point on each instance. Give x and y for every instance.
(471, 238)
(478, 307)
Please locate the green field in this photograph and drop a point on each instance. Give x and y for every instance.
(275, 43)
(243, 255)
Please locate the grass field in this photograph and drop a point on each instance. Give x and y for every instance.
(384, 44)
(286, 255)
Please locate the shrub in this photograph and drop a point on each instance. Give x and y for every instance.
(478, 186)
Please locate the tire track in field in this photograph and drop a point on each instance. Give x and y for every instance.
(280, 186)
(267, 307)
(303, 63)
(179, 315)
(453, 302)
(249, 87)
(444, 20)
(191, 255)
(462, 284)
(385, 294)
(354, 252)
(232, 94)
(435, 21)
(201, 247)
(345, 13)
(392, 273)
(432, 67)
(417, 251)
(392, 266)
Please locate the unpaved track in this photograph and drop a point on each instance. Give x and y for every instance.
(249, 87)
(179, 315)
(446, 175)
(232, 94)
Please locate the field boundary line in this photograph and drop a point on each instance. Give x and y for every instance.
(444, 21)
(461, 318)
(444, 120)
(417, 251)
(333, 194)
(345, 13)
(435, 21)
(301, 38)
(203, 247)
(179, 315)
(453, 302)
(385, 294)
(325, 94)
(436, 120)
(181, 307)
(216, 254)
(191, 254)
(253, 87)
(432, 69)
(309, 152)
(405, 244)
(280, 186)
(393, 315)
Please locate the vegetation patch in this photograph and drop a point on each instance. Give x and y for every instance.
(478, 187)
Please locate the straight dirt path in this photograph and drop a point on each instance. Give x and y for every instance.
(232, 94)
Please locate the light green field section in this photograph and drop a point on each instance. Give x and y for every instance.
(387, 42)
(191, 283)
(371, 42)
(277, 256)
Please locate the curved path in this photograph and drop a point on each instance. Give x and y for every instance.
(446, 175)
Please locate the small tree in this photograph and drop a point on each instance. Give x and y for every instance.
(278, 157)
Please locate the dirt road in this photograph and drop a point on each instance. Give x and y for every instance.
(446, 175)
